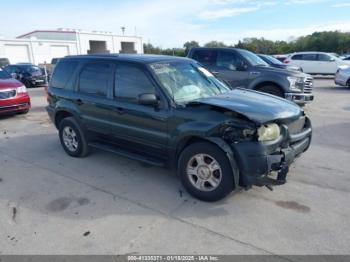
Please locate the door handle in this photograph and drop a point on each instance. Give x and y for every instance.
(79, 102)
(215, 72)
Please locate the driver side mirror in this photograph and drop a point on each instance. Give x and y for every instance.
(148, 100)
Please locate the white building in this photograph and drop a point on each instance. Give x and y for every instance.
(41, 46)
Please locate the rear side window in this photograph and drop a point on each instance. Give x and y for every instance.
(63, 73)
(130, 82)
(310, 57)
(297, 57)
(205, 57)
(96, 78)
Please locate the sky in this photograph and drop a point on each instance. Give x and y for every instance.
(172, 23)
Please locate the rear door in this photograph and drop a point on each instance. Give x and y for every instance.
(141, 125)
(95, 83)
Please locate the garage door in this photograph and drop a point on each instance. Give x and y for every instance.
(17, 53)
(58, 51)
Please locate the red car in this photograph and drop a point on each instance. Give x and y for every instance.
(13, 95)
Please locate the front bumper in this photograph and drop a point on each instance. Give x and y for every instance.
(299, 98)
(256, 160)
(16, 104)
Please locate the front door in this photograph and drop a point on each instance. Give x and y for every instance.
(144, 126)
(230, 67)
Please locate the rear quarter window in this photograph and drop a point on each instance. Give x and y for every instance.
(297, 57)
(63, 73)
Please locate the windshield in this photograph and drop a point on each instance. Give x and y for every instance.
(186, 82)
(272, 60)
(252, 58)
(4, 74)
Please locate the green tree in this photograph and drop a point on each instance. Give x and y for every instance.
(190, 44)
(215, 44)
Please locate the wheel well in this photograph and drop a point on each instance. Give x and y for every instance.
(60, 115)
(268, 83)
(186, 142)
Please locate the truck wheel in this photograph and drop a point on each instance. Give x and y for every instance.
(73, 138)
(205, 172)
(270, 89)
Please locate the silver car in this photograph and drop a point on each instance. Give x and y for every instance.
(342, 77)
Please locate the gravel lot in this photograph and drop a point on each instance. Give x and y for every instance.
(104, 204)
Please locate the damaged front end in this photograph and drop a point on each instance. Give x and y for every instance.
(261, 150)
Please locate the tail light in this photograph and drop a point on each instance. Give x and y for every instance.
(286, 61)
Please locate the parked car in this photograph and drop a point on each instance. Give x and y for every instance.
(13, 95)
(4, 62)
(277, 63)
(171, 111)
(342, 77)
(30, 75)
(241, 68)
(316, 62)
(281, 58)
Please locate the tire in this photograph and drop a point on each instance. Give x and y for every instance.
(72, 137)
(214, 185)
(271, 89)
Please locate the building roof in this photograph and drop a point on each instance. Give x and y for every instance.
(44, 31)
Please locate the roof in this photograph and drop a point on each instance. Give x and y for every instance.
(45, 31)
(133, 57)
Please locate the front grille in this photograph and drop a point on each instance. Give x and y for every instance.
(7, 94)
(297, 126)
(308, 84)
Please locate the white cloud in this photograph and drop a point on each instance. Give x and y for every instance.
(227, 12)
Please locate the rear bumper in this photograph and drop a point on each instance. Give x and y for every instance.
(299, 98)
(257, 160)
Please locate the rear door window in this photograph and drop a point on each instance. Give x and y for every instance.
(297, 57)
(63, 73)
(96, 78)
(205, 57)
(310, 57)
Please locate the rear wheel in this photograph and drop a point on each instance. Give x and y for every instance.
(73, 138)
(271, 89)
(206, 172)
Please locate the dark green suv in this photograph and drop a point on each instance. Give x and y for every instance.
(170, 111)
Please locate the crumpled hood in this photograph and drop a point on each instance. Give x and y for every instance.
(259, 107)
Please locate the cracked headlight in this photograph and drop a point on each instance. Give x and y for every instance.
(269, 132)
(296, 83)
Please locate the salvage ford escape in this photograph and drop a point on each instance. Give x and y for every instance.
(172, 112)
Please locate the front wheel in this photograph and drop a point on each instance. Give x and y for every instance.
(73, 138)
(205, 172)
